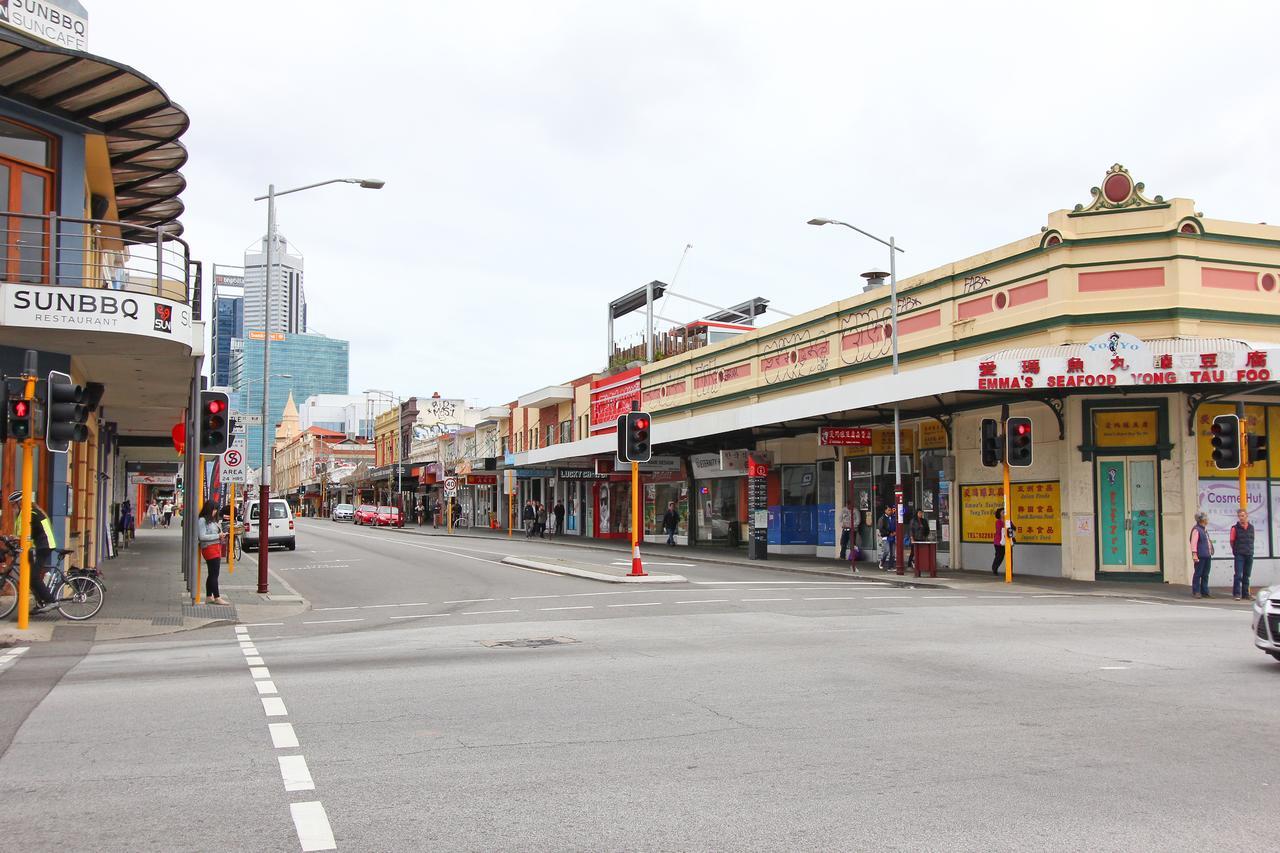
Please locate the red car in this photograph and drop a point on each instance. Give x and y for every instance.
(365, 514)
(388, 516)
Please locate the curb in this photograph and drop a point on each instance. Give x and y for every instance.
(523, 563)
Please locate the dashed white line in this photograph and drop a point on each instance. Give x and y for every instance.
(259, 672)
(330, 621)
(420, 616)
(484, 612)
(469, 600)
(283, 736)
(312, 825)
(523, 597)
(265, 688)
(636, 604)
(248, 651)
(886, 596)
(241, 630)
(327, 609)
(944, 596)
(704, 601)
(1113, 667)
(296, 775)
(766, 599)
(832, 598)
(253, 661)
(274, 706)
(263, 624)
(575, 607)
(1006, 595)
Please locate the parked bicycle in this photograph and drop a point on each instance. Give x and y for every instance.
(78, 593)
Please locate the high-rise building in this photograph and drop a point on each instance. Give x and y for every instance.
(288, 299)
(350, 414)
(228, 321)
(301, 365)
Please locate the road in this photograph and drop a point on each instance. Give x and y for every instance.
(746, 710)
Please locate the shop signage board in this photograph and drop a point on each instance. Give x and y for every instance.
(661, 463)
(121, 311)
(580, 474)
(932, 435)
(844, 436)
(49, 22)
(1221, 499)
(611, 397)
(474, 479)
(1034, 507)
(758, 509)
(509, 481)
(1126, 428)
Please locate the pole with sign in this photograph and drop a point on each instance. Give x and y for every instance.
(450, 489)
(757, 508)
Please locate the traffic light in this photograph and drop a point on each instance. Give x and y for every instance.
(991, 446)
(65, 414)
(214, 406)
(1018, 440)
(1225, 438)
(633, 437)
(18, 418)
(1257, 447)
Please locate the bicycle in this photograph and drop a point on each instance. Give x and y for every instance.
(78, 593)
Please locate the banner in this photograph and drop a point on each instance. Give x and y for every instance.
(1035, 508)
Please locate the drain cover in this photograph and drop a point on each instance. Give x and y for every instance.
(535, 643)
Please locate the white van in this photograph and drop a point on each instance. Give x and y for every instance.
(281, 521)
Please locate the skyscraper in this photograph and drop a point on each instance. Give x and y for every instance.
(300, 364)
(288, 299)
(228, 321)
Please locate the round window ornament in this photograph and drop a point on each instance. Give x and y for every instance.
(1189, 228)
(1117, 187)
(1001, 300)
(1267, 282)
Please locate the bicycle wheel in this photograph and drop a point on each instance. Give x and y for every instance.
(8, 595)
(80, 598)
(239, 549)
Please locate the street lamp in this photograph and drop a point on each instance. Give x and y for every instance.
(264, 492)
(893, 340)
(399, 439)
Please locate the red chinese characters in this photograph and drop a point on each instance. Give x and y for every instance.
(1165, 362)
(1075, 365)
(987, 368)
(1208, 360)
(1031, 365)
(1256, 358)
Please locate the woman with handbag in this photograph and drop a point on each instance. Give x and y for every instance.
(209, 532)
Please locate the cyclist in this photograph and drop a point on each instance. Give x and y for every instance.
(42, 544)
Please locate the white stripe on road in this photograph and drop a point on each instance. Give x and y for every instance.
(637, 604)
(263, 624)
(283, 736)
(246, 644)
(575, 607)
(259, 672)
(766, 599)
(886, 596)
(469, 600)
(420, 616)
(944, 596)
(265, 688)
(326, 609)
(484, 612)
(1006, 595)
(274, 706)
(312, 825)
(248, 651)
(253, 661)
(293, 769)
(330, 621)
(241, 630)
(704, 601)
(523, 597)
(832, 598)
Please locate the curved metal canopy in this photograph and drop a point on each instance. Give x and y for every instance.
(140, 122)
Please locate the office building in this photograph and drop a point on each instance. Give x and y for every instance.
(288, 299)
(228, 322)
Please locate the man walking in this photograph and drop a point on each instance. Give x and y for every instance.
(888, 529)
(527, 515)
(1242, 551)
(558, 511)
(540, 521)
(846, 523)
(671, 522)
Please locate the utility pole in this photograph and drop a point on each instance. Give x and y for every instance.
(1244, 457)
(24, 509)
(1008, 522)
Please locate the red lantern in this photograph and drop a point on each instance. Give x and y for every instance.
(179, 433)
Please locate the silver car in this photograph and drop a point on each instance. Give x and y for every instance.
(343, 512)
(1266, 621)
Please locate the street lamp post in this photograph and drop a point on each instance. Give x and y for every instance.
(264, 490)
(893, 341)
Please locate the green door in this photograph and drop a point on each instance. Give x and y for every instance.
(1128, 523)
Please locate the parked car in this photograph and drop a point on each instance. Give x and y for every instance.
(388, 516)
(342, 512)
(280, 531)
(364, 514)
(1266, 620)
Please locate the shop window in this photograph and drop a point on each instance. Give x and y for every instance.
(799, 485)
(19, 142)
(566, 431)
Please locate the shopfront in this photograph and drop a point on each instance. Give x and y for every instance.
(720, 482)
(479, 500)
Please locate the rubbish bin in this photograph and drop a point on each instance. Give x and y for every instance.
(926, 558)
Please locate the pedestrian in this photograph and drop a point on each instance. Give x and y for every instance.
(1242, 552)
(527, 516)
(209, 533)
(919, 529)
(166, 513)
(540, 520)
(671, 522)
(1201, 554)
(153, 515)
(558, 512)
(1003, 532)
(43, 543)
(127, 521)
(846, 524)
(888, 529)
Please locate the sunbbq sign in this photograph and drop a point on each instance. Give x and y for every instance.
(41, 307)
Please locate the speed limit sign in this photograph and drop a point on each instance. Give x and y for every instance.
(450, 485)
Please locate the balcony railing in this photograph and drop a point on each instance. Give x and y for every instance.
(71, 252)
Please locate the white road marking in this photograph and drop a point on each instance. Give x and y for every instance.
(766, 599)
(704, 601)
(312, 825)
(1139, 601)
(241, 630)
(420, 616)
(523, 597)
(293, 769)
(259, 672)
(832, 598)
(944, 596)
(248, 651)
(18, 650)
(484, 612)
(1113, 667)
(274, 706)
(253, 661)
(324, 609)
(265, 687)
(886, 596)
(637, 604)
(575, 607)
(264, 624)
(1006, 595)
(330, 621)
(283, 735)
(469, 600)
(246, 644)
(1051, 595)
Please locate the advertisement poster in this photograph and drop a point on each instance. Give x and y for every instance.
(1035, 509)
(1220, 499)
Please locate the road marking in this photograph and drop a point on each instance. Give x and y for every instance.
(766, 599)
(523, 597)
(832, 598)
(253, 661)
(19, 650)
(1113, 667)
(944, 596)
(283, 735)
(1006, 595)
(469, 600)
(1139, 601)
(248, 651)
(886, 596)
(420, 616)
(293, 769)
(259, 672)
(330, 621)
(241, 630)
(575, 607)
(484, 612)
(1051, 595)
(264, 624)
(704, 601)
(265, 687)
(323, 609)
(312, 825)
(636, 604)
(274, 706)
(246, 644)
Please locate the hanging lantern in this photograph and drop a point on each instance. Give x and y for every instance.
(179, 433)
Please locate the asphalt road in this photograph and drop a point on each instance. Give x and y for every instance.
(745, 710)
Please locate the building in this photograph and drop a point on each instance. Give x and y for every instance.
(310, 464)
(288, 298)
(350, 414)
(301, 366)
(1120, 328)
(228, 323)
(98, 281)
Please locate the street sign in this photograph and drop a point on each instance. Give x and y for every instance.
(450, 486)
(249, 420)
(233, 462)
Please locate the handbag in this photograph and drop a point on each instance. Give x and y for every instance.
(212, 551)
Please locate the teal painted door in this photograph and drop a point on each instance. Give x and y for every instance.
(1128, 521)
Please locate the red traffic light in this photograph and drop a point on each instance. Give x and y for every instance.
(21, 408)
(641, 423)
(1023, 429)
(214, 406)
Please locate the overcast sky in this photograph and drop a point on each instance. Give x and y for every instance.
(544, 158)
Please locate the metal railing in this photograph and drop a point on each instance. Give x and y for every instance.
(96, 253)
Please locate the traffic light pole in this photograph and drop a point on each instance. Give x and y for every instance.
(24, 511)
(1244, 457)
(1004, 518)
(637, 523)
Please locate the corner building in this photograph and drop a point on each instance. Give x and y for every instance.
(1121, 329)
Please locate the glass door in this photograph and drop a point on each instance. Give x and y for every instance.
(1128, 524)
(26, 237)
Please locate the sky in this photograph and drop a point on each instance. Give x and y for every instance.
(544, 158)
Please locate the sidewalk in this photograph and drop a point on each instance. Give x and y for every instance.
(146, 595)
(957, 580)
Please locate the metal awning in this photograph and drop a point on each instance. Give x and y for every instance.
(141, 124)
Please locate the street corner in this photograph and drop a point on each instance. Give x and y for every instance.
(589, 571)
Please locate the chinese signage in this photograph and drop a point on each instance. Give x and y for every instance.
(1119, 359)
(845, 436)
(1034, 508)
(611, 397)
(46, 21)
(932, 435)
(1114, 428)
(39, 307)
(482, 479)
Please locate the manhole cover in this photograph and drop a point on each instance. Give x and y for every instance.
(535, 643)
